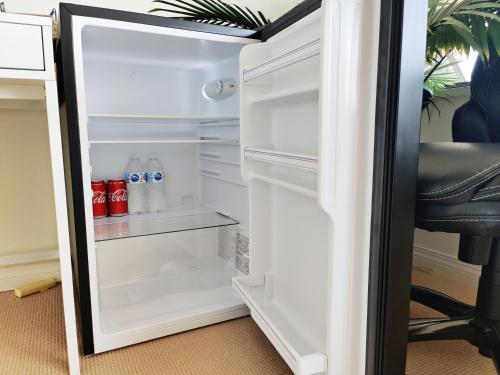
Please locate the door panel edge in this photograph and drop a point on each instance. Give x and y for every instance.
(156, 20)
(78, 213)
(399, 87)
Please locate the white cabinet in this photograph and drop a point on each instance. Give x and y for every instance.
(27, 82)
(26, 51)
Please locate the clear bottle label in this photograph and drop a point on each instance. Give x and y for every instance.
(135, 178)
(155, 177)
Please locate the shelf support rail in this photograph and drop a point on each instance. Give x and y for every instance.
(296, 55)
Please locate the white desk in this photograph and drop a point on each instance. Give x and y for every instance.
(28, 80)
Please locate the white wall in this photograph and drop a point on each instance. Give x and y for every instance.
(28, 239)
(26, 188)
(271, 8)
(437, 250)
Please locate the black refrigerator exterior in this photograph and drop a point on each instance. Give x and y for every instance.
(402, 26)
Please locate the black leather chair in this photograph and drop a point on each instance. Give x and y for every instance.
(459, 192)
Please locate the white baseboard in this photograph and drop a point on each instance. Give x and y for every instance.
(446, 265)
(18, 269)
(24, 257)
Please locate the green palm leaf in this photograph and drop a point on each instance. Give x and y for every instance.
(263, 18)
(232, 9)
(464, 32)
(460, 25)
(481, 14)
(216, 12)
(440, 78)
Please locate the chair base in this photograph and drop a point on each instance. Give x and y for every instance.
(461, 323)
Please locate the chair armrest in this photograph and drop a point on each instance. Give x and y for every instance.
(452, 173)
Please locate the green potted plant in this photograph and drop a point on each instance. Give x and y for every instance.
(457, 26)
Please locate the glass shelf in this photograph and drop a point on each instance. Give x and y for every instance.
(108, 118)
(230, 142)
(113, 228)
(141, 129)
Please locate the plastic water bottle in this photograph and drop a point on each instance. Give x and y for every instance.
(155, 176)
(135, 177)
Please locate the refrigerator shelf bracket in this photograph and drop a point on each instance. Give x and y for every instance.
(286, 185)
(275, 157)
(217, 177)
(272, 97)
(296, 55)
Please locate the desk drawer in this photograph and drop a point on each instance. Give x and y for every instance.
(22, 47)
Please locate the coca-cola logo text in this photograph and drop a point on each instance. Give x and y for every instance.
(119, 195)
(98, 197)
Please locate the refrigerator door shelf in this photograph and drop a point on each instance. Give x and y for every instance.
(286, 289)
(275, 157)
(283, 334)
(291, 57)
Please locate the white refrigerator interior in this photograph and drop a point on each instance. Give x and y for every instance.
(140, 93)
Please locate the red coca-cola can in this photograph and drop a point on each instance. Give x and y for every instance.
(117, 197)
(99, 205)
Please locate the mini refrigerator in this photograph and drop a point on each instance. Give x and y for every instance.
(267, 189)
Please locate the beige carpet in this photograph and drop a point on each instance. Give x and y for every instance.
(32, 343)
(444, 357)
